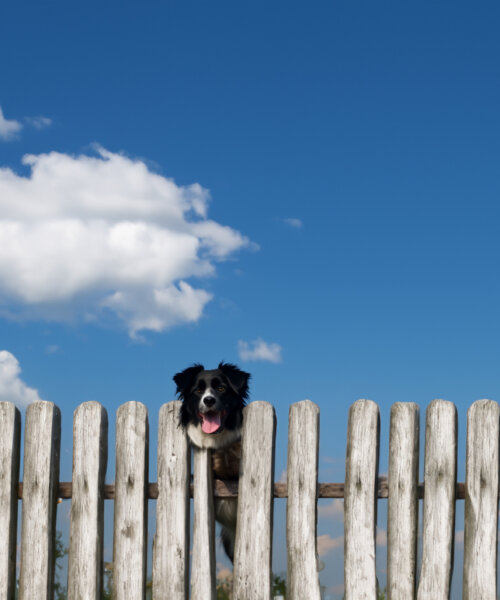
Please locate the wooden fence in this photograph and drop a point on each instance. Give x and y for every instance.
(256, 489)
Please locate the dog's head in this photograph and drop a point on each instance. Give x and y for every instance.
(212, 403)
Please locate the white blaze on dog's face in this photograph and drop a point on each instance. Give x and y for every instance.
(211, 409)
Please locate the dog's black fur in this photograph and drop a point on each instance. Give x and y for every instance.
(212, 415)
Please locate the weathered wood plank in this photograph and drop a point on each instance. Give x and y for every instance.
(402, 509)
(10, 435)
(360, 504)
(254, 532)
(481, 501)
(301, 508)
(130, 523)
(229, 489)
(203, 562)
(440, 475)
(171, 545)
(42, 441)
(90, 454)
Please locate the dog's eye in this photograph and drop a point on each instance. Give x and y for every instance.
(221, 388)
(198, 391)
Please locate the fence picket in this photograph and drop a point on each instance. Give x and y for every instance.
(360, 504)
(301, 508)
(203, 565)
(253, 551)
(256, 491)
(402, 509)
(10, 435)
(440, 475)
(40, 480)
(90, 454)
(481, 502)
(130, 523)
(171, 546)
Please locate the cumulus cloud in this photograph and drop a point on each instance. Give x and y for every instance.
(332, 510)
(9, 128)
(325, 543)
(259, 350)
(12, 387)
(381, 537)
(86, 235)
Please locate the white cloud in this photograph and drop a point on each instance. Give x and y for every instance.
(12, 387)
(381, 537)
(259, 350)
(87, 234)
(296, 223)
(332, 510)
(325, 543)
(39, 122)
(9, 128)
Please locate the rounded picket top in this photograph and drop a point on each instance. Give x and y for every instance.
(90, 454)
(301, 511)
(42, 441)
(131, 506)
(481, 500)
(253, 548)
(440, 477)
(360, 500)
(402, 508)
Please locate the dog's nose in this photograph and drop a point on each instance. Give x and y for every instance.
(209, 401)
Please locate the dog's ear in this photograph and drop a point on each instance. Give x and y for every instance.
(237, 378)
(185, 378)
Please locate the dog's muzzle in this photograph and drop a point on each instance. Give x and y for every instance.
(211, 421)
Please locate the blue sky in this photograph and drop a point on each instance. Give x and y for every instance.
(322, 179)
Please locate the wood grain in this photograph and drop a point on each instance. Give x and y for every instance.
(42, 441)
(10, 435)
(481, 502)
(440, 474)
(402, 508)
(203, 571)
(90, 455)
(130, 522)
(360, 507)
(171, 543)
(229, 489)
(301, 510)
(254, 532)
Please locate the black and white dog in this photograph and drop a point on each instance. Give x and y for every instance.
(212, 415)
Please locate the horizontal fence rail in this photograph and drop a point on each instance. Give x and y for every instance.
(229, 489)
(39, 489)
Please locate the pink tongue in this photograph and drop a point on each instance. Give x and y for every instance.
(210, 422)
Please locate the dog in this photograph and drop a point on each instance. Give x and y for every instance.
(212, 416)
